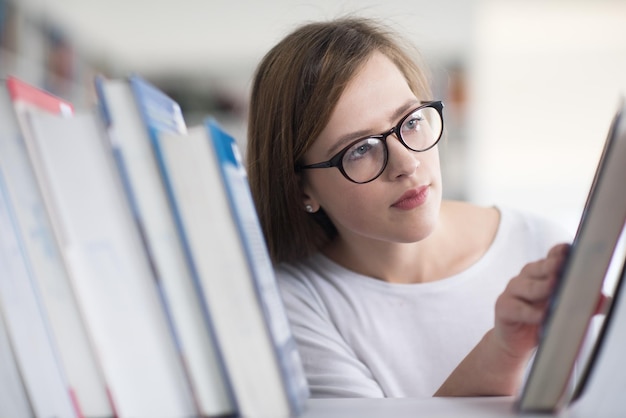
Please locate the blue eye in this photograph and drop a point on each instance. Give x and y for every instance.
(360, 150)
(413, 122)
(367, 148)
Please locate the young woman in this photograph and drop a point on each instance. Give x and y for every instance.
(390, 291)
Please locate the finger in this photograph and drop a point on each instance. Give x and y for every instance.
(556, 257)
(547, 267)
(559, 250)
(513, 310)
(530, 290)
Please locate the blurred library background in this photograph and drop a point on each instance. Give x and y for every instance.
(530, 86)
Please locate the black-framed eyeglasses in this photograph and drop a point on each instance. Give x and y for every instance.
(365, 159)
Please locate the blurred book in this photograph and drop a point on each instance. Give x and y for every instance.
(13, 397)
(135, 111)
(110, 268)
(551, 383)
(29, 337)
(211, 197)
(41, 250)
(146, 246)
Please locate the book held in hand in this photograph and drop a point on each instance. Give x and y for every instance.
(551, 383)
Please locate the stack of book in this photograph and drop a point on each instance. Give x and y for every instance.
(134, 277)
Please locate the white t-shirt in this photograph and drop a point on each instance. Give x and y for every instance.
(363, 337)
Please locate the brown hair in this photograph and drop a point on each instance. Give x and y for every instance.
(295, 89)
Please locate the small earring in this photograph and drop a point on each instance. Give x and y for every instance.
(308, 208)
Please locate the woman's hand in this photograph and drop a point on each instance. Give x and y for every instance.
(496, 365)
(520, 309)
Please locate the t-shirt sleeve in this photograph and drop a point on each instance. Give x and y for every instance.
(332, 368)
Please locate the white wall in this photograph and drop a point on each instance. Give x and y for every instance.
(545, 78)
(544, 74)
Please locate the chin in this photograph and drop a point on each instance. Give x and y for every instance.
(416, 237)
(423, 226)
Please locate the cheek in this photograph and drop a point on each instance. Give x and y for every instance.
(435, 168)
(431, 160)
(352, 207)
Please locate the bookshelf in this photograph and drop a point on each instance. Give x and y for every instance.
(36, 49)
(478, 407)
(65, 177)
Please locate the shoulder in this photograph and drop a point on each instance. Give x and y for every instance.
(295, 277)
(504, 228)
(318, 286)
(301, 283)
(301, 273)
(538, 230)
(534, 223)
(487, 221)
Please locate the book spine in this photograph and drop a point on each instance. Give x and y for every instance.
(234, 181)
(187, 252)
(141, 229)
(161, 114)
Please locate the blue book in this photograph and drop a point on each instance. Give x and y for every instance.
(135, 112)
(237, 279)
(237, 188)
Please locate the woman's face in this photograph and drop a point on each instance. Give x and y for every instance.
(402, 204)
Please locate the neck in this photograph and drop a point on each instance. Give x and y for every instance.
(391, 262)
(460, 237)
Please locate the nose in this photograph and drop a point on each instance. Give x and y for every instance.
(402, 161)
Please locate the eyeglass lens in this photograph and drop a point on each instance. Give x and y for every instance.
(366, 159)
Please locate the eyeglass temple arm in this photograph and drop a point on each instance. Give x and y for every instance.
(325, 164)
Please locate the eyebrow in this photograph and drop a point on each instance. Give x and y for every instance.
(363, 133)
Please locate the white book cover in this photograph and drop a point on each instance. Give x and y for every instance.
(14, 401)
(110, 269)
(131, 141)
(27, 327)
(76, 350)
(227, 284)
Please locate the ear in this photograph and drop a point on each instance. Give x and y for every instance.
(307, 195)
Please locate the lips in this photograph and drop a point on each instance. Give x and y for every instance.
(412, 198)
